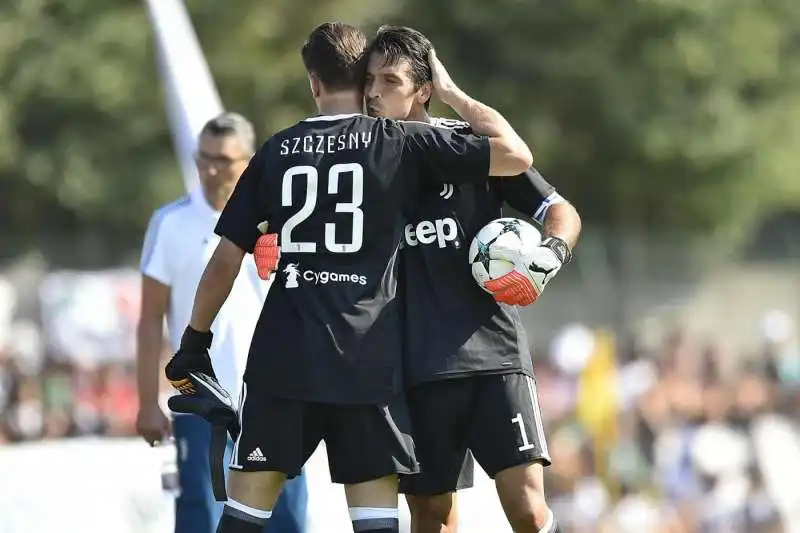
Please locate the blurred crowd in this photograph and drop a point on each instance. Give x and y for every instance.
(682, 437)
(692, 438)
(66, 356)
(65, 399)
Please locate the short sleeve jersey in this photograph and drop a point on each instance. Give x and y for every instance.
(333, 188)
(453, 328)
(179, 242)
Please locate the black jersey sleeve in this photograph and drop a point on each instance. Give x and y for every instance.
(451, 157)
(239, 220)
(529, 193)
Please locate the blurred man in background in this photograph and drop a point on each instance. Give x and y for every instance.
(467, 360)
(179, 242)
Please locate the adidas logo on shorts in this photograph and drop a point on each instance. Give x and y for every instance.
(256, 455)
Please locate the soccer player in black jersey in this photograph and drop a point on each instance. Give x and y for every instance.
(325, 361)
(468, 366)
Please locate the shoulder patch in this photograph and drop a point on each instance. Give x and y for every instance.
(451, 123)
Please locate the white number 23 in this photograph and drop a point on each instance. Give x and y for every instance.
(312, 185)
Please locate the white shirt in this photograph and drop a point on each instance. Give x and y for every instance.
(179, 242)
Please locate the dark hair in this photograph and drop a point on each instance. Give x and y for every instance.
(234, 125)
(334, 52)
(397, 43)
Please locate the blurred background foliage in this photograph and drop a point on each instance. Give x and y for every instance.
(661, 115)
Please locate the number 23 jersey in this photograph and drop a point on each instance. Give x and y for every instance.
(333, 188)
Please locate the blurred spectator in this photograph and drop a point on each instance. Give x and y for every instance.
(782, 346)
(26, 416)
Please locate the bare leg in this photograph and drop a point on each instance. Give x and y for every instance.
(521, 492)
(436, 513)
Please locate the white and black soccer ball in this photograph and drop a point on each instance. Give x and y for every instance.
(510, 233)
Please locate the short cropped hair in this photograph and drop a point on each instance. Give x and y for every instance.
(234, 125)
(334, 52)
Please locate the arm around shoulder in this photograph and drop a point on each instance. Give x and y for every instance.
(509, 154)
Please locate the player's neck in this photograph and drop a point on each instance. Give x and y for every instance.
(420, 115)
(340, 103)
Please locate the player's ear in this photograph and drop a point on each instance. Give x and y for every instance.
(425, 92)
(316, 86)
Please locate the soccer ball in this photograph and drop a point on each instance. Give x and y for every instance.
(511, 233)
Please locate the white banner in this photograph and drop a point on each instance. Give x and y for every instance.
(189, 89)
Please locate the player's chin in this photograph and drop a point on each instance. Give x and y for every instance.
(375, 112)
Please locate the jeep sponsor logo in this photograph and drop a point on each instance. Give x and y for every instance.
(439, 231)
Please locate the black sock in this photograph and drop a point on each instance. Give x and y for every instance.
(374, 520)
(238, 520)
(377, 525)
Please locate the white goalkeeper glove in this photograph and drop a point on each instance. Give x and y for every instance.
(533, 270)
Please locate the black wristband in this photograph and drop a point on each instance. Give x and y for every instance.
(560, 248)
(196, 341)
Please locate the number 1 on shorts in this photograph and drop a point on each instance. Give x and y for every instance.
(526, 444)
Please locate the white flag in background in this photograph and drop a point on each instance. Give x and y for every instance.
(189, 90)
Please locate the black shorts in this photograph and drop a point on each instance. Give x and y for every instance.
(364, 442)
(496, 417)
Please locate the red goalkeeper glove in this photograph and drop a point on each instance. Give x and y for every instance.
(532, 272)
(513, 288)
(267, 253)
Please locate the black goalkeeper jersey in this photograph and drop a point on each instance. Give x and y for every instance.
(333, 188)
(453, 327)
